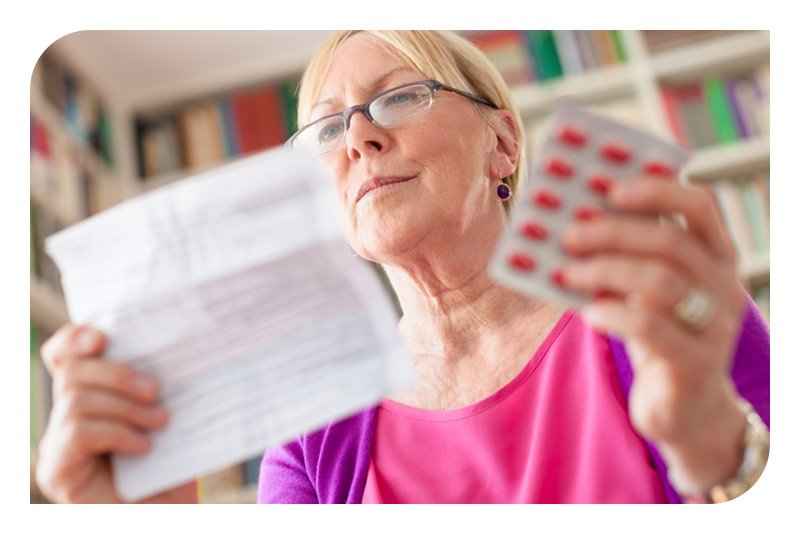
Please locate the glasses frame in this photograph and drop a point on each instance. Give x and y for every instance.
(433, 86)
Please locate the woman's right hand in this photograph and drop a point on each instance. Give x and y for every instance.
(99, 407)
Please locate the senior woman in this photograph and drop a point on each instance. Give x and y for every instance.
(516, 399)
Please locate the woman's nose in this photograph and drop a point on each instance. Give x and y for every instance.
(365, 138)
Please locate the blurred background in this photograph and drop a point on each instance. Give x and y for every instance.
(117, 113)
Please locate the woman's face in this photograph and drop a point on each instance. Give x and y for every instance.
(432, 173)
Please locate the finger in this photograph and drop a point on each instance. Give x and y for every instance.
(70, 343)
(653, 333)
(641, 236)
(642, 281)
(89, 403)
(669, 196)
(89, 437)
(113, 377)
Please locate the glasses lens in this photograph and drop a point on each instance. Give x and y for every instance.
(321, 136)
(401, 104)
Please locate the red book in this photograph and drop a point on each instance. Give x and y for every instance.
(246, 117)
(271, 122)
(672, 107)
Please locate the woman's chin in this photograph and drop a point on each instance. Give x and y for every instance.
(383, 241)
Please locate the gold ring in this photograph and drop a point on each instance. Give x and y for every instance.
(696, 309)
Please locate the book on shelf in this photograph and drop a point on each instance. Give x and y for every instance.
(226, 484)
(60, 177)
(568, 52)
(201, 132)
(506, 51)
(744, 203)
(214, 129)
(524, 56)
(83, 111)
(250, 470)
(289, 93)
(718, 109)
(543, 49)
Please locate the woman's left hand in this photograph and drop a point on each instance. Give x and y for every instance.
(682, 396)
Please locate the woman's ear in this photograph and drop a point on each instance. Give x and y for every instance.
(505, 153)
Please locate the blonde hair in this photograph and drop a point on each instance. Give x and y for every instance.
(440, 55)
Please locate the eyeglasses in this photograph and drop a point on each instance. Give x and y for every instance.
(385, 110)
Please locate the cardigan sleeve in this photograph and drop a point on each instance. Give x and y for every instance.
(749, 372)
(328, 466)
(282, 477)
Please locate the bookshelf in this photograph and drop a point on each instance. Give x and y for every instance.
(88, 146)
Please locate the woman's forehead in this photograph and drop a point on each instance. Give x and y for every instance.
(354, 75)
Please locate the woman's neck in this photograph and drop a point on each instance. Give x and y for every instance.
(467, 335)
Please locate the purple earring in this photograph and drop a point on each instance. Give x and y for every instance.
(503, 192)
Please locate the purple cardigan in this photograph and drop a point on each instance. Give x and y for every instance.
(330, 465)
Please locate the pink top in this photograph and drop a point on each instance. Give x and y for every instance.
(557, 433)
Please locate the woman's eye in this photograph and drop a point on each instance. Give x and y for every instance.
(401, 98)
(330, 131)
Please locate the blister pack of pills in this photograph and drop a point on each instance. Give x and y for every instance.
(579, 159)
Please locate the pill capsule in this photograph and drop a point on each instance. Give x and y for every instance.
(534, 230)
(522, 261)
(545, 199)
(572, 136)
(557, 277)
(658, 169)
(599, 183)
(587, 213)
(615, 152)
(558, 167)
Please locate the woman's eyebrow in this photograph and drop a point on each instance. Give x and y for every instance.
(375, 85)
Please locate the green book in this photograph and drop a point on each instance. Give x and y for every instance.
(719, 109)
(618, 48)
(106, 139)
(545, 45)
(290, 105)
(754, 217)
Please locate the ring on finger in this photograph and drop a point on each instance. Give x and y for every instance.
(696, 309)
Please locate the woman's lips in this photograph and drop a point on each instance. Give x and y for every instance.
(378, 182)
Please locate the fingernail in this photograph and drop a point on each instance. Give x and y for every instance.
(573, 235)
(157, 412)
(573, 272)
(87, 340)
(621, 193)
(145, 386)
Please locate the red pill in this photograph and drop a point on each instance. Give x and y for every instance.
(658, 169)
(521, 261)
(534, 230)
(588, 213)
(557, 277)
(546, 199)
(558, 168)
(572, 136)
(599, 183)
(603, 294)
(615, 152)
